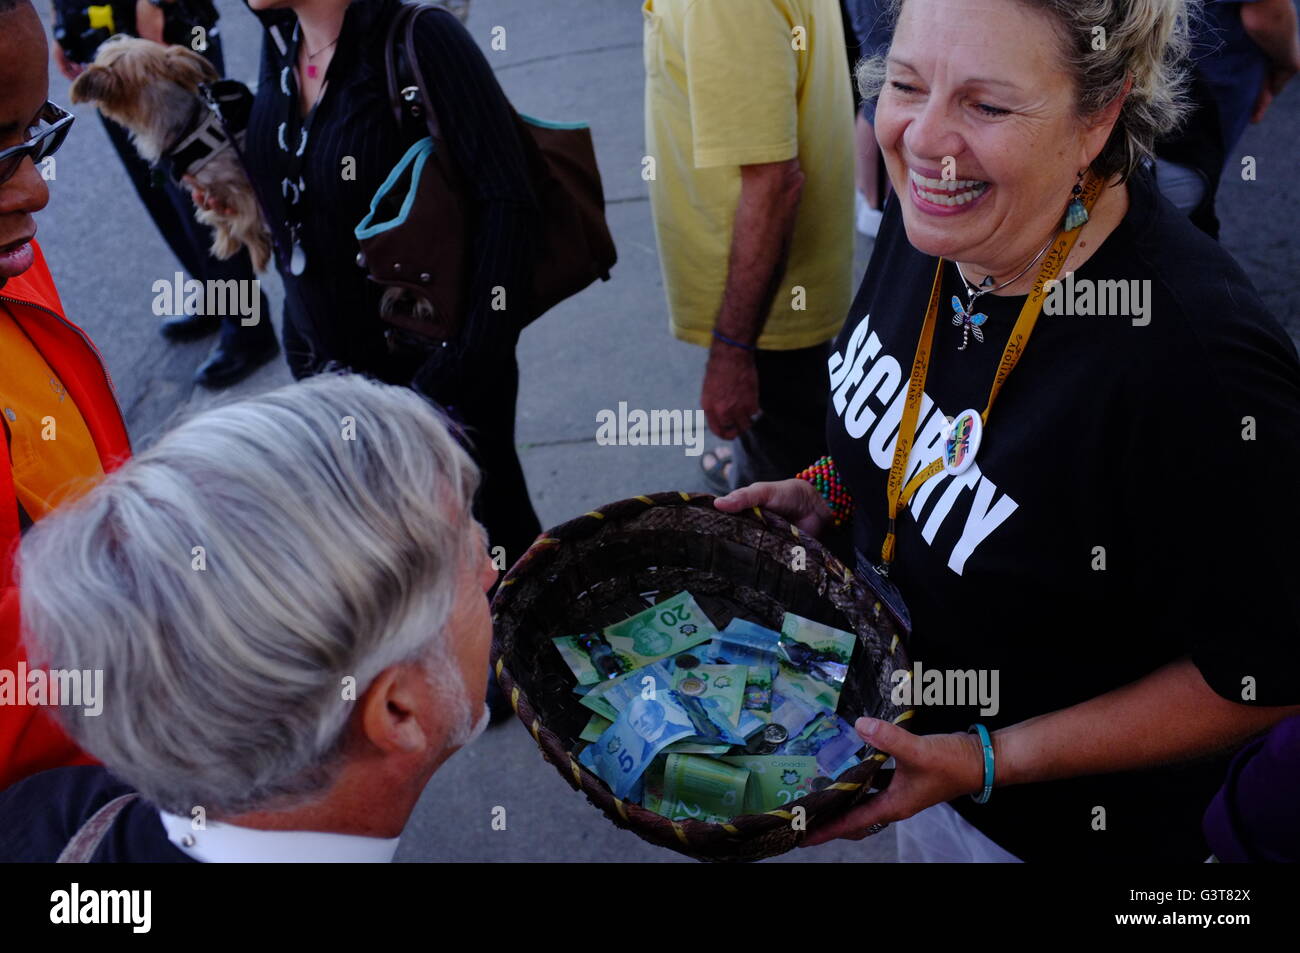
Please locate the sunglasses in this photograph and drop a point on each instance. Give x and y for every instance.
(52, 125)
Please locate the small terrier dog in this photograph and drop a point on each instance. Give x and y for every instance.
(153, 90)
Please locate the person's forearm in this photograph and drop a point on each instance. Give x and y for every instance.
(764, 222)
(1170, 715)
(1272, 25)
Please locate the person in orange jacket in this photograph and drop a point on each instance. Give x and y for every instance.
(62, 427)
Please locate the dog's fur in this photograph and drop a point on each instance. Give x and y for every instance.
(399, 306)
(151, 89)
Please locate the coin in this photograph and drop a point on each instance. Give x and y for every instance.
(687, 660)
(691, 686)
(775, 734)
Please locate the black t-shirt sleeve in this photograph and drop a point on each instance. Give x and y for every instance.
(1213, 461)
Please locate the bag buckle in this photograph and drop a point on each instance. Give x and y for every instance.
(411, 96)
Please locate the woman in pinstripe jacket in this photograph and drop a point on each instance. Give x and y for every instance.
(320, 142)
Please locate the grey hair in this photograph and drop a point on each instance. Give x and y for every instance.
(1146, 40)
(325, 557)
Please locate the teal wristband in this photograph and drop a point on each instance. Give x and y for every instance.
(987, 743)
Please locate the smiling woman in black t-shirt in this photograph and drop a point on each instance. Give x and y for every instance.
(1101, 526)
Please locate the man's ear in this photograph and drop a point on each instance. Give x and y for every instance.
(390, 707)
(96, 85)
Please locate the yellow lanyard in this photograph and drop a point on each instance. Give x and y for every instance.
(898, 494)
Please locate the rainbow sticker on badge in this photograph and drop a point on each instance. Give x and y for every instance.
(962, 441)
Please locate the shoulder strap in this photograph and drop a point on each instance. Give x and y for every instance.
(392, 54)
(86, 841)
(408, 95)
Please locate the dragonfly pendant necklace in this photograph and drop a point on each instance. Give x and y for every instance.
(967, 318)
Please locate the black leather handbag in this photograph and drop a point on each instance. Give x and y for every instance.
(415, 236)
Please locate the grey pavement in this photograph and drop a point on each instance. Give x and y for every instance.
(565, 59)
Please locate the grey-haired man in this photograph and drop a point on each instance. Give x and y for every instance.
(285, 596)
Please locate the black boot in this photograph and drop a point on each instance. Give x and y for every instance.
(189, 327)
(239, 352)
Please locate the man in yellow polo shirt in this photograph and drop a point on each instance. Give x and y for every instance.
(749, 123)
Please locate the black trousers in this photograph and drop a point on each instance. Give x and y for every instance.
(502, 504)
(790, 434)
(486, 416)
(172, 211)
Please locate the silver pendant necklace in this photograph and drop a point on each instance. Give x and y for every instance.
(966, 317)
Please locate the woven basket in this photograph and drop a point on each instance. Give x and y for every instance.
(587, 573)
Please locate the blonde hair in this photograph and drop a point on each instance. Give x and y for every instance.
(1145, 40)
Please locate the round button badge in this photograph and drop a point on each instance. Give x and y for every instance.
(962, 441)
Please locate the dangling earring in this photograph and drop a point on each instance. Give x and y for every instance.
(1075, 214)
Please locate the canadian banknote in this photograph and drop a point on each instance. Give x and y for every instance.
(661, 630)
(589, 657)
(792, 714)
(721, 689)
(609, 698)
(747, 643)
(702, 789)
(725, 684)
(814, 661)
(758, 691)
(831, 740)
(595, 728)
(665, 629)
(644, 728)
(815, 648)
(742, 643)
(775, 780)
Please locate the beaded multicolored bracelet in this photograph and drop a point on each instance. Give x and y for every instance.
(825, 478)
